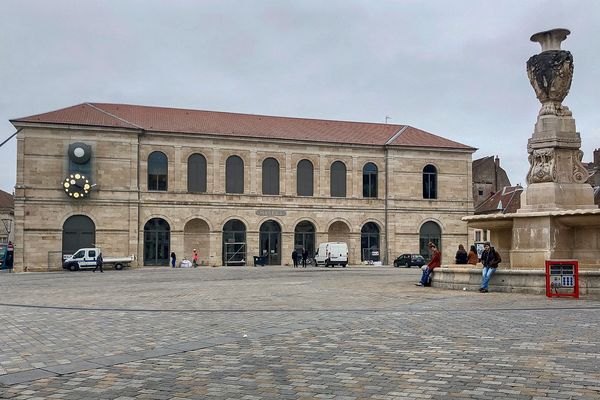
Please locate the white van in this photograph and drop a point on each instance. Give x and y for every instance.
(332, 253)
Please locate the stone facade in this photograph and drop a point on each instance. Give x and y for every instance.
(120, 203)
(488, 178)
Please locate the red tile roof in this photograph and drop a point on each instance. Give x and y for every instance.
(508, 200)
(7, 201)
(174, 120)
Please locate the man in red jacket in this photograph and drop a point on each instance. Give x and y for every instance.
(436, 261)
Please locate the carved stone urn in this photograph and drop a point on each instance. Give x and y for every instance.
(551, 72)
(556, 177)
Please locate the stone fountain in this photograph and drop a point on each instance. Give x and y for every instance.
(558, 218)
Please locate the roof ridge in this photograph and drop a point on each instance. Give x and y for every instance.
(113, 116)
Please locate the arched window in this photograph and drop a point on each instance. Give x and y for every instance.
(157, 171)
(79, 231)
(430, 232)
(234, 243)
(337, 184)
(234, 175)
(304, 179)
(370, 180)
(270, 176)
(429, 182)
(369, 242)
(196, 173)
(157, 240)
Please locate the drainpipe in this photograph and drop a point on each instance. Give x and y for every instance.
(139, 202)
(385, 199)
(385, 205)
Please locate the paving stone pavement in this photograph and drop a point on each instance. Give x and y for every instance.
(282, 333)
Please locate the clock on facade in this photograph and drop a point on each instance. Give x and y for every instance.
(77, 186)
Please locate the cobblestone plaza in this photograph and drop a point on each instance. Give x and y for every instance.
(279, 333)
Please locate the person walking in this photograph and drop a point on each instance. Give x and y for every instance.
(173, 259)
(490, 260)
(472, 257)
(295, 258)
(99, 263)
(461, 255)
(195, 258)
(436, 261)
(304, 257)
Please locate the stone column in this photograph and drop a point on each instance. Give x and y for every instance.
(288, 173)
(355, 182)
(216, 248)
(251, 247)
(218, 172)
(321, 177)
(287, 239)
(253, 175)
(176, 172)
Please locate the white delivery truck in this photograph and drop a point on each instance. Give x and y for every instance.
(332, 253)
(86, 258)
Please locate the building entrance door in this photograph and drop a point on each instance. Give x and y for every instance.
(157, 240)
(270, 242)
(234, 243)
(304, 238)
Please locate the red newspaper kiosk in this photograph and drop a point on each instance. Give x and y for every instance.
(562, 278)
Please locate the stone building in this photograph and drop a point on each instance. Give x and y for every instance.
(7, 217)
(593, 169)
(507, 200)
(148, 181)
(488, 178)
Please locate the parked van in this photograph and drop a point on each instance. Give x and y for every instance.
(332, 253)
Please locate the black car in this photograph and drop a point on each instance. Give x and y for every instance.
(409, 260)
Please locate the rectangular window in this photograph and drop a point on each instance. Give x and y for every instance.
(157, 182)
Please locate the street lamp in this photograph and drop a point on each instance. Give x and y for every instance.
(7, 222)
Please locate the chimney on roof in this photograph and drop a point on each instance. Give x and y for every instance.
(597, 158)
(496, 167)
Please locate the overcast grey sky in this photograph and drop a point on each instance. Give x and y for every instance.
(453, 68)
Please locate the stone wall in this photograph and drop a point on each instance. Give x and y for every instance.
(511, 281)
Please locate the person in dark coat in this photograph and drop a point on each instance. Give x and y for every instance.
(99, 262)
(304, 257)
(295, 258)
(490, 260)
(173, 259)
(461, 255)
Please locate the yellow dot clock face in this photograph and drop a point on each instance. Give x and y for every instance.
(77, 186)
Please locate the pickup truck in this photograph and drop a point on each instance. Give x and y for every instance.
(86, 258)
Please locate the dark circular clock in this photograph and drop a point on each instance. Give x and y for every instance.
(77, 185)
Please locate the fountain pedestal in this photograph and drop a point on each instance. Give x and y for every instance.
(558, 218)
